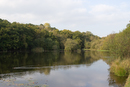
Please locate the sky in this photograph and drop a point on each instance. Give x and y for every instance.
(100, 17)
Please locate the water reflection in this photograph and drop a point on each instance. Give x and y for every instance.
(116, 80)
(62, 69)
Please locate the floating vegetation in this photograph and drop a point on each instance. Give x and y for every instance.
(11, 82)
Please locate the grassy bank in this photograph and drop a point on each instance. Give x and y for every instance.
(121, 67)
(127, 82)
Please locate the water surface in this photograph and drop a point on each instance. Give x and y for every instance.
(57, 69)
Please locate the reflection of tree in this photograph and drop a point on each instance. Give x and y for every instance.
(113, 79)
(105, 56)
(52, 60)
(10, 60)
(58, 60)
(72, 58)
(99, 55)
(88, 58)
(46, 71)
(87, 54)
(91, 56)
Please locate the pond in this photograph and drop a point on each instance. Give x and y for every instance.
(57, 69)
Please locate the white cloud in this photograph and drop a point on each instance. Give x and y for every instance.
(108, 13)
(45, 9)
(103, 8)
(65, 14)
(103, 12)
(79, 10)
(16, 17)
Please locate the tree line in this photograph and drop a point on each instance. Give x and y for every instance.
(20, 37)
(118, 43)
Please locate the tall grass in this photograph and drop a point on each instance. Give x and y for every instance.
(120, 67)
(127, 84)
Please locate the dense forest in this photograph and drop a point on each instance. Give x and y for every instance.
(20, 37)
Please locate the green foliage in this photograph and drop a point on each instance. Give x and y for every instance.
(108, 42)
(128, 25)
(48, 44)
(55, 45)
(47, 25)
(96, 44)
(39, 42)
(66, 33)
(71, 45)
(91, 41)
(79, 37)
(87, 44)
(121, 44)
(118, 44)
(16, 36)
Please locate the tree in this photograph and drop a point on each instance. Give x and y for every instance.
(87, 44)
(78, 36)
(18, 36)
(121, 45)
(128, 25)
(66, 33)
(108, 42)
(71, 45)
(47, 25)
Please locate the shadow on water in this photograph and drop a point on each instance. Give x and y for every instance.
(19, 64)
